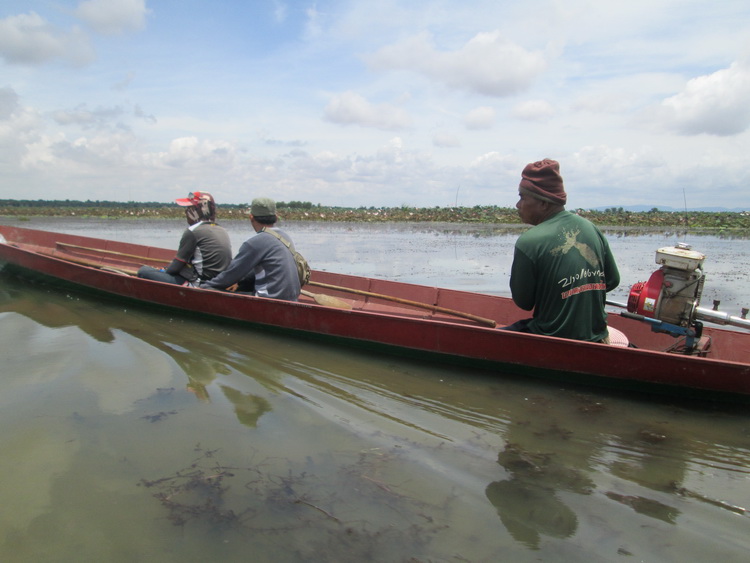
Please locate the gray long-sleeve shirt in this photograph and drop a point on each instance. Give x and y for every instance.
(266, 257)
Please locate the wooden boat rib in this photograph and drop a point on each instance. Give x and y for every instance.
(432, 330)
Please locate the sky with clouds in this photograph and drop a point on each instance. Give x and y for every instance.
(360, 103)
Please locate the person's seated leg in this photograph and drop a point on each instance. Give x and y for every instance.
(518, 326)
(149, 273)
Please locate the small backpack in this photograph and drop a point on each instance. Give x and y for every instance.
(303, 268)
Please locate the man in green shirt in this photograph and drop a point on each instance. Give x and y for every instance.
(562, 266)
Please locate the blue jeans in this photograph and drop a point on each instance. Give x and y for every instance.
(149, 273)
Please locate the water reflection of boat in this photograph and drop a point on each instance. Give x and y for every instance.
(200, 361)
(557, 466)
(406, 319)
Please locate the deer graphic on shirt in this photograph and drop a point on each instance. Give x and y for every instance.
(571, 241)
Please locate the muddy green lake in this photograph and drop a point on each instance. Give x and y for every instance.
(134, 435)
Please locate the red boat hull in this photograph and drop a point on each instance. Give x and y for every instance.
(377, 323)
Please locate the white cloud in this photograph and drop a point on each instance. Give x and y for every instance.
(716, 104)
(139, 113)
(480, 118)
(445, 140)
(351, 108)
(487, 64)
(534, 110)
(280, 11)
(112, 17)
(614, 100)
(86, 118)
(122, 85)
(497, 167)
(188, 152)
(258, 97)
(599, 175)
(313, 26)
(29, 39)
(8, 103)
(19, 126)
(113, 118)
(607, 163)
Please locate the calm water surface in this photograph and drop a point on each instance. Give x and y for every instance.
(129, 435)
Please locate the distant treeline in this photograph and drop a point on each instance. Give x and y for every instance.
(306, 211)
(96, 204)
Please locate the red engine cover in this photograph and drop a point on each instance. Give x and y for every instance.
(644, 296)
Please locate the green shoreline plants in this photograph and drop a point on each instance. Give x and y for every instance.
(306, 211)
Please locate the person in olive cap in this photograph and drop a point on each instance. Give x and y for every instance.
(205, 249)
(263, 266)
(562, 266)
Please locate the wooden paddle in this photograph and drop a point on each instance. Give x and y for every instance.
(90, 263)
(327, 300)
(482, 320)
(135, 256)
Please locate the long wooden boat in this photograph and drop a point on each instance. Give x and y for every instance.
(406, 319)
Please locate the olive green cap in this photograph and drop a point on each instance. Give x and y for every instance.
(263, 207)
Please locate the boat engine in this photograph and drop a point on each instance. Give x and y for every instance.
(673, 292)
(670, 300)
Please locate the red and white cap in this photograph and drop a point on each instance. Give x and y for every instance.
(194, 198)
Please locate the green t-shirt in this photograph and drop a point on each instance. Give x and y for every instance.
(562, 269)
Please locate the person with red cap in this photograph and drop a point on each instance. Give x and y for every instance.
(562, 266)
(204, 250)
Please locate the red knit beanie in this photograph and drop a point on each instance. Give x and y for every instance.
(543, 181)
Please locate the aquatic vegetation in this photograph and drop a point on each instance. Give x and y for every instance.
(260, 502)
(715, 222)
(158, 416)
